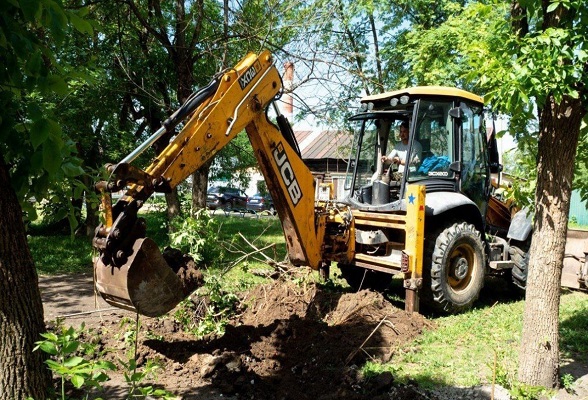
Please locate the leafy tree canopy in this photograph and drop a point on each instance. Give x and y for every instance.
(32, 78)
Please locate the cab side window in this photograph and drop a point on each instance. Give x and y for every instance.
(473, 157)
(435, 134)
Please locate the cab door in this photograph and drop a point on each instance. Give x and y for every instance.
(475, 172)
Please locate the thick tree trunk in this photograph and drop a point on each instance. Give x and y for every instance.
(558, 139)
(22, 371)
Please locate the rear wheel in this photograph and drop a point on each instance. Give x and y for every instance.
(520, 257)
(229, 205)
(454, 267)
(360, 278)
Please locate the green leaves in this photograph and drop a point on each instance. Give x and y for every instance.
(51, 156)
(31, 9)
(40, 132)
(553, 6)
(66, 362)
(35, 79)
(80, 24)
(197, 236)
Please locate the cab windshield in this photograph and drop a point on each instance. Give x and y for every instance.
(383, 154)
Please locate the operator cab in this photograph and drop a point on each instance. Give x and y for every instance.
(447, 148)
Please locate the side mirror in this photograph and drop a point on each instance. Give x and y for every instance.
(456, 112)
(455, 166)
(495, 167)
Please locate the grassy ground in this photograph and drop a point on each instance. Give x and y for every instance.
(60, 254)
(462, 350)
(63, 253)
(481, 346)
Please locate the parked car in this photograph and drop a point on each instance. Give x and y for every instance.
(227, 198)
(258, 202)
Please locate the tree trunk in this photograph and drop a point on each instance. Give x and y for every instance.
(92, 217)
(559, 126)
(22, 371)
(199, 187)
(172, 201)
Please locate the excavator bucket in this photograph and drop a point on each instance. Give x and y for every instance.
(145, 283)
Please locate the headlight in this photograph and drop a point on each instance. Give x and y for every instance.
(394, 102)
(404, 99)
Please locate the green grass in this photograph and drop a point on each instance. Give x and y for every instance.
(574, 325)
(575, 225)
(62, 253)
(54, 254)
(462, 349)
(260, 232)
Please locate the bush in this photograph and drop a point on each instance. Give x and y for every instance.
(198, 237)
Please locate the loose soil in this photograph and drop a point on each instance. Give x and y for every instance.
(289, 341)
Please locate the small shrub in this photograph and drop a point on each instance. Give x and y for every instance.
(528, 392)
(211, 315)
(567, 382)
(135, 378)
(67, 362)
(221, 308)
(198, 237)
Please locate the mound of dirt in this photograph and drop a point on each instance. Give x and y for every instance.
(292, 342)
(289, 342)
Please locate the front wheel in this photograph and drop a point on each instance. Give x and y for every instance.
(455, 256)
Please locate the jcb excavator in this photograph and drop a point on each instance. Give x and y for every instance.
(431, 222)
(130, 270)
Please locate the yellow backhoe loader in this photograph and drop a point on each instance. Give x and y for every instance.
(432, 222)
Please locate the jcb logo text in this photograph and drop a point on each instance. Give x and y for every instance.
(287, 173)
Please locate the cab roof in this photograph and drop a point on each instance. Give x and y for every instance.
(425, 91)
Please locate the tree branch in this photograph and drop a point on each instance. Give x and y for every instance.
(198, 26)
(380, 83)
(162, 38)
(519, 22)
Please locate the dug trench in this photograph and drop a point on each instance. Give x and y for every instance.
(289, 341)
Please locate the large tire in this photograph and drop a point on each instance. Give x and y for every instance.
(520, 258)
(454, 268)
(360, 278)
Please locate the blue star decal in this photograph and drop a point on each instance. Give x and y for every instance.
(411, 198)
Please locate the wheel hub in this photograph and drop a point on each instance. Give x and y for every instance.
(460, 268)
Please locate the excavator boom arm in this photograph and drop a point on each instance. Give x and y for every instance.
(131, 272)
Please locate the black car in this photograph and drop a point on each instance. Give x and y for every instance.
(222, 197)
(258, 202)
